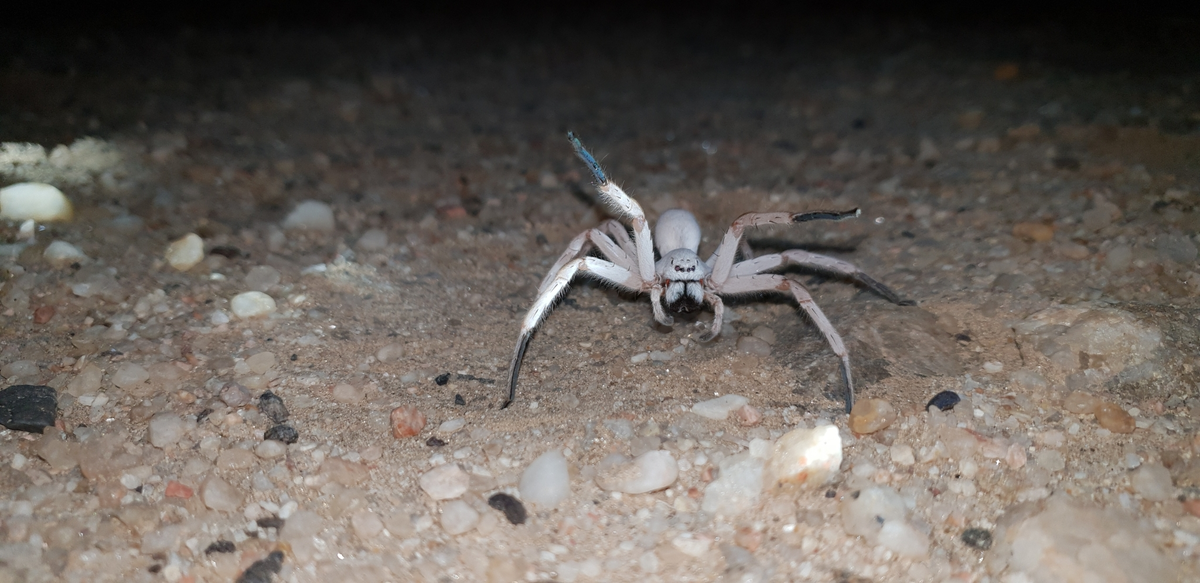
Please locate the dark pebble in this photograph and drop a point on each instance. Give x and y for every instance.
(512, 508)
(442, 379)
(271, 405)
(459, 400)
(228, 251)
(945, 400)
(221, 546)
(962, 337)
(434, 442)
(977, 538)
(29, 408)
(263, 569)
(274, 522)
(285, 433)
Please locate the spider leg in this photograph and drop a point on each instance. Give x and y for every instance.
(775, 282)
(618, 233)
(616, 199)
(722, 259)
(598, 268)
(821, 263)
(718, 316)
(581, 245)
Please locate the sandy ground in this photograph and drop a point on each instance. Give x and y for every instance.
(993, 188)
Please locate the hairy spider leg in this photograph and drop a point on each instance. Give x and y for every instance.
(721, 260)
(764, 282)
(581, 245)
(600, 269)
(819, 263)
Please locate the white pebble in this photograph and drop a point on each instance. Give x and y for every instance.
(546, 481)
(452, 425)
(310, 215)
(992, 367)
(719, 408)
(736, 488)
(130, 375)
(270, 449)
(445, 482)
(649, 472)
(252, 304)
(902, 455)
(220, 495)
(904, 540)
(60, 254)
(186, 252)
(166, 429)
(34, 200)
(372, 240)
(262, 278)
(458, 517)
(1152, 482)
(805, 456)
(865, 514)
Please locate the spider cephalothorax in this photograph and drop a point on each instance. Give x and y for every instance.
(680, 281)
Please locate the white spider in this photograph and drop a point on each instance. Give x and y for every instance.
(680, 281)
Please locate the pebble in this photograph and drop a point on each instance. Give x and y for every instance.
(458, 517)
(512, 508)
(30, 408)
(366, 524)
(300, 532)
(945, 401)
(977, 538)
(737, 487)
(178, 490)
(252, 304)
(372, 240)
(347, 393)
(719, 408)
(865, 512)
(1152, 482)
(1177, 248)
(871, 415)
(282, 433)
(220, 495)
(389, 352)
(272, 406)
(270, 449)
(34, 200)
(902, 454)
(406, 421)
(60, 254)
(263, 570)
(1113, 418)
(1111, 339)
(765, 334)
(753, 345)
(805, 456)
(310, 215)
(452, 425)
(261, 363)
(1081, 403)
(546, 481)
(902, 538)
(649, 472)
(235, 458)
(446, 482)
(262, 278)
(129, 376)
(344, 472)
(1033, 232)
(1118, 259)
(43, 314)
(166, 429)
(748, 416)
(235, 395)
(186, 252)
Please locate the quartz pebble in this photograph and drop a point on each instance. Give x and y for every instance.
(252, 304)
(186, 252)
(1152, 482)
(235, 395)
(300, 533)
(261, 363)
(270, 449)
(1081, 403)
(60, 254)
(372, 240)
(262, 278)
(366, 524)
(871, 415)
(451, 426)
(721, 407)
(865, 512)
(737, 487)
(805, 456)
(406, 421)
(220, 495)
(310, 215)
(649, 472)
(346, 393)
(445, 482)
(458, 517)
(748, 416)
(1113, 418)
(130, 375)
(34, 200)
(389, 352)
(344, 472)
(166, 429)
(546, 481)
(754, 345)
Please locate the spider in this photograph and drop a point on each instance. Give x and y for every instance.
(680, 282)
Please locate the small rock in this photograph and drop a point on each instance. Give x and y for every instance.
(753, 345)
(310, 215)
(262, 278)
(407, 421)
(1113, 418)
(977, 538)
(649, 472)
(282, 433)
(945, 401)
(43, 314)
(451, 426)
(1081, 403)
(347, 393)
(186, 252)
(445, 482)
(435, 442)
(60, 254)
(902, 538)
(366, 524)
(34, 200)
(458, 517)
(235, 395)
(512, 508)
(748, 416)
(178, 490)
(737, 488)
(719, 408)
(300, 531)
(344, 472)
(1033, 232)
(865, 512)
(30, 408)
(389, 352)
(252, 304)
(372, 240)
(87, 381)
(235, 458)
(902, 454)
(261, 363)
(1152, 482)
(765, 334)
(166, 429)
(805, 456)
(871, 415)
(272, 406)
(220, 495)
(1177, 248)
(546, 481)
(262, 570)
(220, 546)
(130, 376)
(1118, 258)
(270, 449)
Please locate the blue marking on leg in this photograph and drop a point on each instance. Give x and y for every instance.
(587, 158)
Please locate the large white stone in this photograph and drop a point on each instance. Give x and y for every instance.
(34, 200)
(805, 457)
(546, 481)
(184, 253)
(252, 304)
(649, 472)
